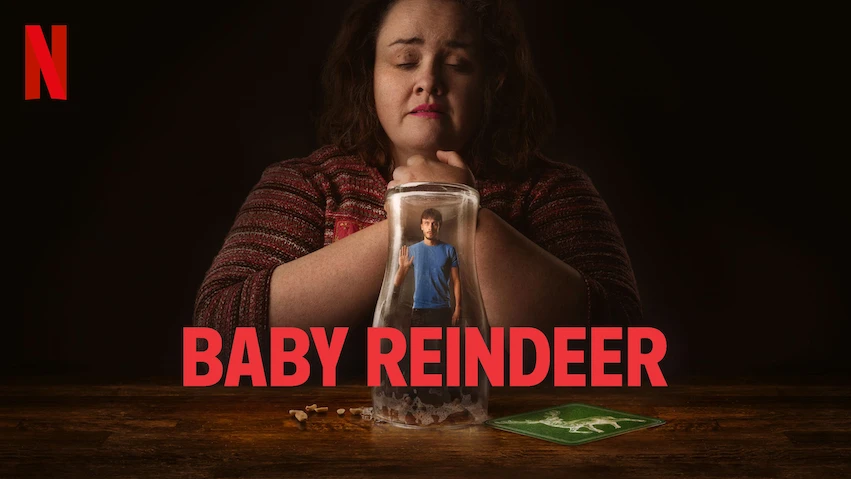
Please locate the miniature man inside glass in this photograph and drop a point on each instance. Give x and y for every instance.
(435, 265)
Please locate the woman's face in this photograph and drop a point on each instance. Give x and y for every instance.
(428, 77)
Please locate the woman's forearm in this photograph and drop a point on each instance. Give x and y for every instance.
(522, 284)
(337, 285)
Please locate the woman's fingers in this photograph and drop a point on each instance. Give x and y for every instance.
(450, 168)
(402, 177)
(451, 158)
(416, 160)
(400, 173)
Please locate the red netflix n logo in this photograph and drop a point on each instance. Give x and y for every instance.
(52, 62)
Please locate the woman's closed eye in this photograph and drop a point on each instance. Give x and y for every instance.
(463, 66)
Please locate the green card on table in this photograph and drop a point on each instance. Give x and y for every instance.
(573, 424)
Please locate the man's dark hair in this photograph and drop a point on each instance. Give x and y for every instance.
(517, 114)
(432, 214)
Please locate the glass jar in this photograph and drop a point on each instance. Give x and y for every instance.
(432, 258)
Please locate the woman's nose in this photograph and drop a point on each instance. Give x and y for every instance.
(429, 80)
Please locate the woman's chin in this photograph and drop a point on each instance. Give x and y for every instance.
(427, 146)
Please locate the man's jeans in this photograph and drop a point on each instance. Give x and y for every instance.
(440, 318)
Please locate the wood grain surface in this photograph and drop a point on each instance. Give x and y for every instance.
(156, 428)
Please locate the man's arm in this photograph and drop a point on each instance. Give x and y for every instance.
(456, 285)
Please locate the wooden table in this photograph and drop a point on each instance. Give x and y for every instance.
(721, 429)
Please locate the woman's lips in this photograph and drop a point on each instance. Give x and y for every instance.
(428, 110)
(427, 114)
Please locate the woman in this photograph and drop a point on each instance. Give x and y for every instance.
(423, 90)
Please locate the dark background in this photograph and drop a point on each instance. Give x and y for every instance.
(702, 125)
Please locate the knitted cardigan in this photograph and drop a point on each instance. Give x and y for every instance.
(300, 205)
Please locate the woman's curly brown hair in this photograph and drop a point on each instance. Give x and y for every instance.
(517, 113)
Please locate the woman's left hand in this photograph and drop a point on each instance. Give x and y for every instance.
(449, 168)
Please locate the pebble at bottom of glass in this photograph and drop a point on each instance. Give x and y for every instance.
(417, 414)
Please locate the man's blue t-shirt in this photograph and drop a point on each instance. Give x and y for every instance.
(432, 272)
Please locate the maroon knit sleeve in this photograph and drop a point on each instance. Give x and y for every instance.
(281, 219)
(568, 218)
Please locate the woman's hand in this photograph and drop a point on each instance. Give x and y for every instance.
(449, 168)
